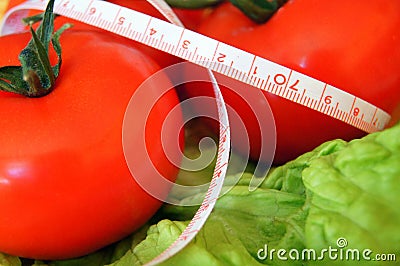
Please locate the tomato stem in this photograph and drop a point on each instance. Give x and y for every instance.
(258, 10)
(192, 4)
(36, 76)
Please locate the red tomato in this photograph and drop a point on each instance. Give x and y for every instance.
(350, 45)
(65, 186)
(192, 18)
(12, 3)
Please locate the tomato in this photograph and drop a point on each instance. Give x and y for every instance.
(192, 18)
(65, 187)
(11, 3)
(351, 45)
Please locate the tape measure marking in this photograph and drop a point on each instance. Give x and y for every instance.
(229, 61)
(219, 57)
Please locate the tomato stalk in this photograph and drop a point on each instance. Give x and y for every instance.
(36, 76)
(258, 10)
(192, 4)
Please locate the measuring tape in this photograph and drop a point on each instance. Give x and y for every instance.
(219, 57)
(216, 56)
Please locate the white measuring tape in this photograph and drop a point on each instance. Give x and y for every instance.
(216, 56)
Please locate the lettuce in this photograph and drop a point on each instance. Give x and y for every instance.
(336, 205)
(9, 260)
(355, 196)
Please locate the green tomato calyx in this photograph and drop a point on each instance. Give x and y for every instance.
(36, 76)
(258, 10)
(192, 4)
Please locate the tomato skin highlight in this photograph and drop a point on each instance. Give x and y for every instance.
(351, 45)
(65, 186)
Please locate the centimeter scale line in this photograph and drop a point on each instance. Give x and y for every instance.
(227, 60)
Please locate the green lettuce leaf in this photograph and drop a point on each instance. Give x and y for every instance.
(342, 197)
(238, 227)
(355, 197)
(242, 222)
(338, 192)
(7, 260)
